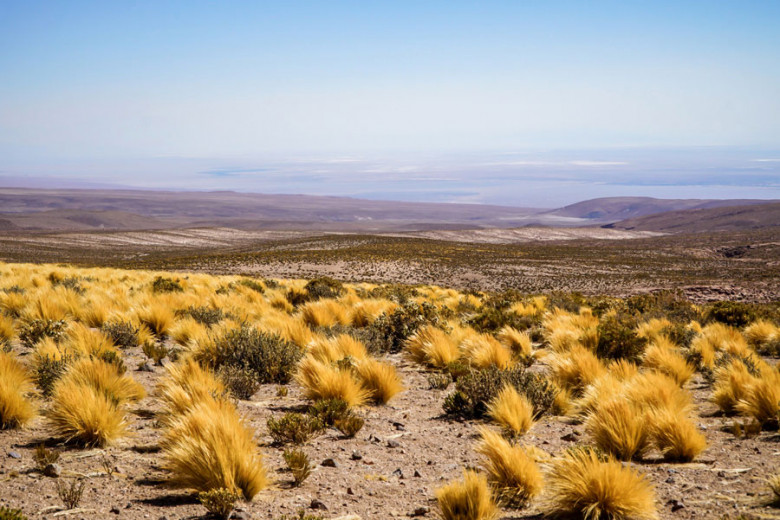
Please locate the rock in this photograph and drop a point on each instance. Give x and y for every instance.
(317, 504)
(145, 367)
(239, 515)
(52, 470)
(128, 505)
(570, 437)
(392, 443)
(398, 473)
(14, 454)
(399, 426)
(676, 505)
(417, 474)
(421, 511)
(356, 455)
(115, 510)
(329, 463)
(349, 491)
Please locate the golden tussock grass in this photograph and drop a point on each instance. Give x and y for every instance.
(512, 472)
(7, 330)
(484, 351)
(580, 485)
(13, 304)
(324, 381)
(433, 347)
(157, 316)
(80, 340)
(518, 342)
(774, 485)
(655, 390)
(15, 382)
(50, 305)
(652, 328)
(576, 369)
(82, 414)
(467, 499)
(622, 369)
(760, 333)
(675, 436)
(186, 330)
(105, 378)
(762, 400)
(716, 338)
(663, 356)
(186, 384)
(619, 428)
(732, 383)
(293, 329)
(379, 378)
(562, 404)
(598, 391)
(512, 411)
(324, 313)
(210, 447)
(365, 312)
(329, 350)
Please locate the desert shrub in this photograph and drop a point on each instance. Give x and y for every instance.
(513, 474)
(209, 447)
(734, 314)
(205, 315)
(324, 287)
(241, 382)
(349, 425)
(379, 378)
(512, 411)
(6, 513)
(252, 284)
(581, 485)
(15, 409)
(619, 428)
(395, 328)
(672, 305)
(35, 330)
(302, 515)
(270, 357)
(397, 293)
(469, 499)
(219, 502)
(166, 285)
(44, 456)
(476, 389)
(439, 381)
(329, 410)
(121, 333)
(325, 381)
(49, 370)
(71, 494)
(295, 428)
(299, 464)
(492, 319)
(618, 339)
(156, 351)
(679, 334)
(570, 302)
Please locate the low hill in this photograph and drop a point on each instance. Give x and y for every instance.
(704, 220)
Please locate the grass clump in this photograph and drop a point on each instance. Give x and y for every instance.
(325, 381)
(44, 456)
(512, 411)
(186, 385)
(581, 485)
(513, 474)
(619, 428)
(15, 382)
(219, 502)
(294, 428)
(155, 351)
(329, 410)
(209, 447)
(6, 513)
(467, 499)
(675, 436)
(380, 379)
(299, 465)
(350, 425)
(432, 346)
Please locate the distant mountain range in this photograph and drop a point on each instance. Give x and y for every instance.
(37, 210)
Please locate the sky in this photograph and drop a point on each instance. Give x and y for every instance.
(520, 103)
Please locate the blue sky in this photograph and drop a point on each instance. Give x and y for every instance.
(294, 94)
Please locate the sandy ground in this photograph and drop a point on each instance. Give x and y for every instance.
(372, 479)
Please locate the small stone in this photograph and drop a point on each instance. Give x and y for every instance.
(421, 511)
(349, 491)
(356, 455)
(145, 367)
(399, 426)
(417, 474)
(392, 443)
(570, 437)
(670, 480)
(398, 473)
(238, 515)
(128, 505)
(14, 454)
(317, 504)
(115, 510)
(676, 505)
(52, 470)
(329, 463)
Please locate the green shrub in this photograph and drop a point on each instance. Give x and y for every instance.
(44, 456)
(271, 358)
(156, 351)
(439, 381)
(350, 425)
(11, 514)
(122, 333)
(329, 410)
(165, 285)
(672, 305)
(252, 284)
(474, 390)
(48, 371)
(205, 315)
(295, 428)
(735, 314)
(35, 330)
(299, 464)
(241, 382)
(618, 339)
(491, 320)
(395, 328)
(219, 502)
(71, 494)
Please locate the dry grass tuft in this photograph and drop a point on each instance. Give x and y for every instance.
(580, 485)
(15, 409)
(468, 499)
(576, 369)
(675, 436)
(186, 385)
(619, 428)
(323, 381)
(512, 411)
(662, 355)
(85, 415)
(484, 351)
(762, 401)
(104, 378)
(381, 379)
(518, 342)
(513, 473)
(328, 350)
(209, 448)
(433, 347)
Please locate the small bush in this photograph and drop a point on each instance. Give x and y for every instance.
(469, 499)
(44, 456)
(618, 339)
(71, 494)
(329, 410)
(439, 381)
(295, 428)
(252, 284)
(166, 285)
(11, 514)
(156, 351)
(323, 287)
(123, 334)
(475, 390)
(395, 328)
(48, 371)
(349, 426)
(241, 382)
(299, 464)
(219, 502)
(735, 314)
(35, 330)
(205, 315)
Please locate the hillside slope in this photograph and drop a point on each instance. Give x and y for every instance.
(732, 218)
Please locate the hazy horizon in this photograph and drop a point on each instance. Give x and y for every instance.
(498, 102)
